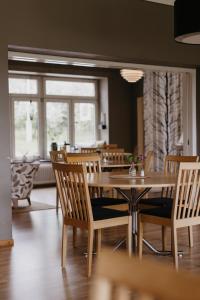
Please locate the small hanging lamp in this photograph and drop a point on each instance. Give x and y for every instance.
(131, 75)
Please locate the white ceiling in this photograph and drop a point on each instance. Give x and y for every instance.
(167, 2)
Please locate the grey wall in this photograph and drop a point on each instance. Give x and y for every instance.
(126, 30)
(5, 211)
(135, 31)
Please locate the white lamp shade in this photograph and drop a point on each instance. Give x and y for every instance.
(131, 75)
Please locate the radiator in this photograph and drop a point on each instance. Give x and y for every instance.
(45, 174)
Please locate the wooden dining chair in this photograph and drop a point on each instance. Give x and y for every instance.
(119, 277)
(78, 212)
(58, 156)
(92, 163)
(185, 209)
(171, 167)
(113, 154)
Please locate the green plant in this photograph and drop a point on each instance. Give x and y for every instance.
(135, 159)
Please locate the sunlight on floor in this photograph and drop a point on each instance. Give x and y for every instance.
(45, 195)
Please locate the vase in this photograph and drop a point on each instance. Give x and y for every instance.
(132, 170)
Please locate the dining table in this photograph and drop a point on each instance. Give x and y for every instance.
(133, 188)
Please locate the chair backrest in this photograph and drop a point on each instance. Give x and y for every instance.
(172, 162)
(187, 195)
(58, 156)
(73, 193)
(88, 150)
(171, 167)
(22, 175)
(119, 277)
(92, 161)
(113, 154)
(148, 163)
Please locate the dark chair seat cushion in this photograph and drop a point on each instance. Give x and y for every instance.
(101, 213)
(105, 201)
(162, 201)
(163, 212)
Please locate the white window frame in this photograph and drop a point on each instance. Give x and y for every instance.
(96, 118)
(57, 100)
(25, 99)
(42, 98)
(27, 77)
(52, 78)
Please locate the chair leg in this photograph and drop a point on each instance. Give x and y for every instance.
(190, 234)
(15, 203)
(98, 240)
(140, 237)
(57, 199)
(90, 249)
(175, 247)
(29, 200)
(64, 246)
(164, 237)
(129, 237)
(74, 236)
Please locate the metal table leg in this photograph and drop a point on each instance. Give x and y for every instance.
(133, 201)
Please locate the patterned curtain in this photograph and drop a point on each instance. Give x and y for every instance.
(163, 95)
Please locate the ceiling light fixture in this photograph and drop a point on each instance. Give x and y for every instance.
(56, 62)
(24, 58)
(131, 75)
(186, 22)
(83, 64)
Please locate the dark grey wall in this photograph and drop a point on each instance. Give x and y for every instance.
(127, 30)
(135, 31)
(121, 95)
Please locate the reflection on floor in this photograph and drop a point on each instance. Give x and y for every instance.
(45, 195)
(31, 269)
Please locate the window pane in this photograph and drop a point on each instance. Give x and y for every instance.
(57, 122)
(70, 88)
(26, 128)
(84, 124)
(23, 86)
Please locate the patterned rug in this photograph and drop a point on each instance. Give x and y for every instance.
(35, 206)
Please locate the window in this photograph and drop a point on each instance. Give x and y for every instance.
(26, 133)
(57, 123)
(23, 86)
(84, 116)
(69, 88)
(47, 110)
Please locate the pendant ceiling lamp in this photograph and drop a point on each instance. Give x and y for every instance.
(187, 21)
(131, 75)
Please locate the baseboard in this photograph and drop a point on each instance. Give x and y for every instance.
(6, 243)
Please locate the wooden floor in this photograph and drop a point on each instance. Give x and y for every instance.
(31, 269)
